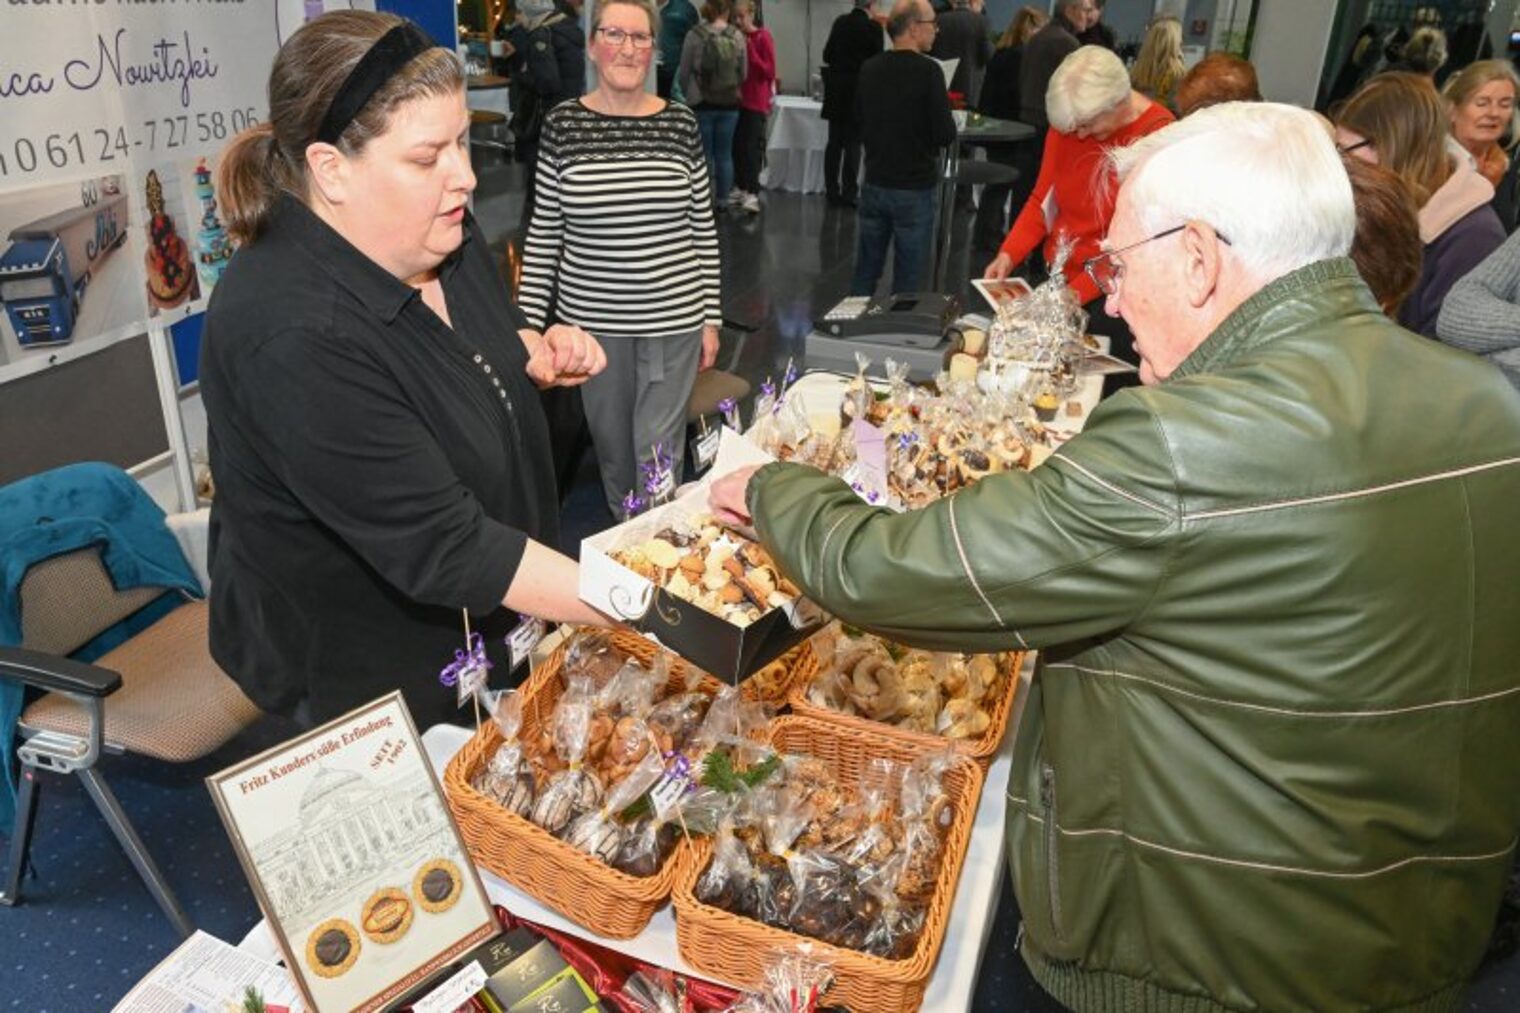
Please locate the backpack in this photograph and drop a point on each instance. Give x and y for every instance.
(718, 71)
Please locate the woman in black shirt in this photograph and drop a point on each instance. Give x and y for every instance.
(380, 454)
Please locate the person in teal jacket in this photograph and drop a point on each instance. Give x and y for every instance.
(676, 19)
(1269, 760)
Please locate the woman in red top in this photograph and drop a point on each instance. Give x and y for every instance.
(1092, 108)
(754, 106)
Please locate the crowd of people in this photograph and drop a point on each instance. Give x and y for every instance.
(1268, 761)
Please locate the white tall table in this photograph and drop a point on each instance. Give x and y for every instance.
(794, 148)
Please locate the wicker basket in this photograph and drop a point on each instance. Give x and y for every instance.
(981, 749)
(735, 949)
(610, 903)
(786, 668)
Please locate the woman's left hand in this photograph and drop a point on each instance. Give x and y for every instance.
(709, 347)
(565, 356)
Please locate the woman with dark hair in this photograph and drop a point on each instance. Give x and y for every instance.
(1386, 249)
(1397, 121)
(381, 460)
(999, 98)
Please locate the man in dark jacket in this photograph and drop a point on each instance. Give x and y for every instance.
(1044, 52)
(854, 38)
(964, 36)
(905, 120)
(1269, 760)
(1098, 32)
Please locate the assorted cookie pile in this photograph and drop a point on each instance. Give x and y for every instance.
(951, 695)
(717, 571)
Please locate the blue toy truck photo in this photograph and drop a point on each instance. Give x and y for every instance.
(44, 272)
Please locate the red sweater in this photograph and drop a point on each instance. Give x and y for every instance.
(1075, 173)
(760, 81)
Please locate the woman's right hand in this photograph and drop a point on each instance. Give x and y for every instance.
(1000, 268)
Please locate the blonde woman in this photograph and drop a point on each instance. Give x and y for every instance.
(1480, 99)
(1159, 66)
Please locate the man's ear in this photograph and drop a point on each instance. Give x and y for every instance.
(1200, 271)
(328, 170)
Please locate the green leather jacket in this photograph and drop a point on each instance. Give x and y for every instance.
(1272, 757)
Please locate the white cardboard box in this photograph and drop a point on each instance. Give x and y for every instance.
(727, 651)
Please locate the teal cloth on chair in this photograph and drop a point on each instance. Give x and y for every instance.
(58, 512)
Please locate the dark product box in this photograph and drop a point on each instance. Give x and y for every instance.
(567, 992)
(527, 974)
(498, 953)
(732, 653)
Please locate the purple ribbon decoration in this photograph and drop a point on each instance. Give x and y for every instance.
(633, 505)
(474, 656)
(768, 389)
(872, 497)
(791, 375)
(730, 410)
(680, 766)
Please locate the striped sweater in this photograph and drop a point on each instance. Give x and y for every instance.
(622, 240)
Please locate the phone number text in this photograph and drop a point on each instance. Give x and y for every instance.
(102, 146)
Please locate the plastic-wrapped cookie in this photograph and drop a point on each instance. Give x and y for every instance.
(332, 947)
(387, 915)
(437, 885)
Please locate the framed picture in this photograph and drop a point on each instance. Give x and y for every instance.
(999, 292)
(347, 841)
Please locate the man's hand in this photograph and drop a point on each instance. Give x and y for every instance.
(563, 356)
(727, 496)
(709, 347)
(1000, 268)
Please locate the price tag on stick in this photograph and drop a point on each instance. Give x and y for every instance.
(524, 638)
(704, 448)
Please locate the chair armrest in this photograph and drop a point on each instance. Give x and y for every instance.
(55, 674)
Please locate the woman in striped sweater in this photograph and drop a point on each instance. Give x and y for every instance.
(622, 243)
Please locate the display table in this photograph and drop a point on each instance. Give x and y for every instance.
(794, 148)
(976, 895)
(829, 360)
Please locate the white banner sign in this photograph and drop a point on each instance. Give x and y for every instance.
(112, 114)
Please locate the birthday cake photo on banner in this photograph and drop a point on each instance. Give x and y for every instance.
(171, 277)
(213, 247)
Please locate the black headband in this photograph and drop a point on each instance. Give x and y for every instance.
(395, 49)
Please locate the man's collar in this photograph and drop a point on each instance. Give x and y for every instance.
(370, 283)
(1280, 307)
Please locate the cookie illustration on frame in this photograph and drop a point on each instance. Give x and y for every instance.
(387, 915)
(437, 885)
(332, 947)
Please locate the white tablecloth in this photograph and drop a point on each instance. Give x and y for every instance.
(794, 149)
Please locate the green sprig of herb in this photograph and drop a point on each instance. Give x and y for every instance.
(253, 1002)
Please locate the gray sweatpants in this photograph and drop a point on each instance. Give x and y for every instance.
(640, 400)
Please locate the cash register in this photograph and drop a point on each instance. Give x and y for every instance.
(907, 326)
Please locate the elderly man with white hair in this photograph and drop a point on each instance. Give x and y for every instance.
(1269, 760)
(1093, 111)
